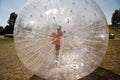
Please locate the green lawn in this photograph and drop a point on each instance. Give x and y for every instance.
(116, 32)
(112, 59)
(12, 69)
(10, 66)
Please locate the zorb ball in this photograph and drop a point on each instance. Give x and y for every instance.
(61, 39)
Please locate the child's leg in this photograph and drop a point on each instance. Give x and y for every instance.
(57, 51)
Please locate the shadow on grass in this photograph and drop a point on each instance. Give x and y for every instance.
(98, 74)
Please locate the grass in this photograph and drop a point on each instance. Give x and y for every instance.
(12, 69)
(10, 66)
(116, 32)
(112, 59)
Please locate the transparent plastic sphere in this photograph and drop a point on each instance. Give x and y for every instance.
(61, 39)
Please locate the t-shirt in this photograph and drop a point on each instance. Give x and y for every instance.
(56, 34)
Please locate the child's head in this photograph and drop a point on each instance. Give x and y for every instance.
(59, 27)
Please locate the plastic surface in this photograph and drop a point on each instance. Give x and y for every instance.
(82, 46)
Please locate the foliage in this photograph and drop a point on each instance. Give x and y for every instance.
(12, 19)
(116, 18)
(8, 29)
(11, 22)
(1, 30)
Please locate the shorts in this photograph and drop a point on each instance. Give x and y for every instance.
(57, 47)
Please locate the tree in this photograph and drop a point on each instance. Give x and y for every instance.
(8, 29)
(1, 30)
(12, 19)
(116, 18)
(11, 22)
